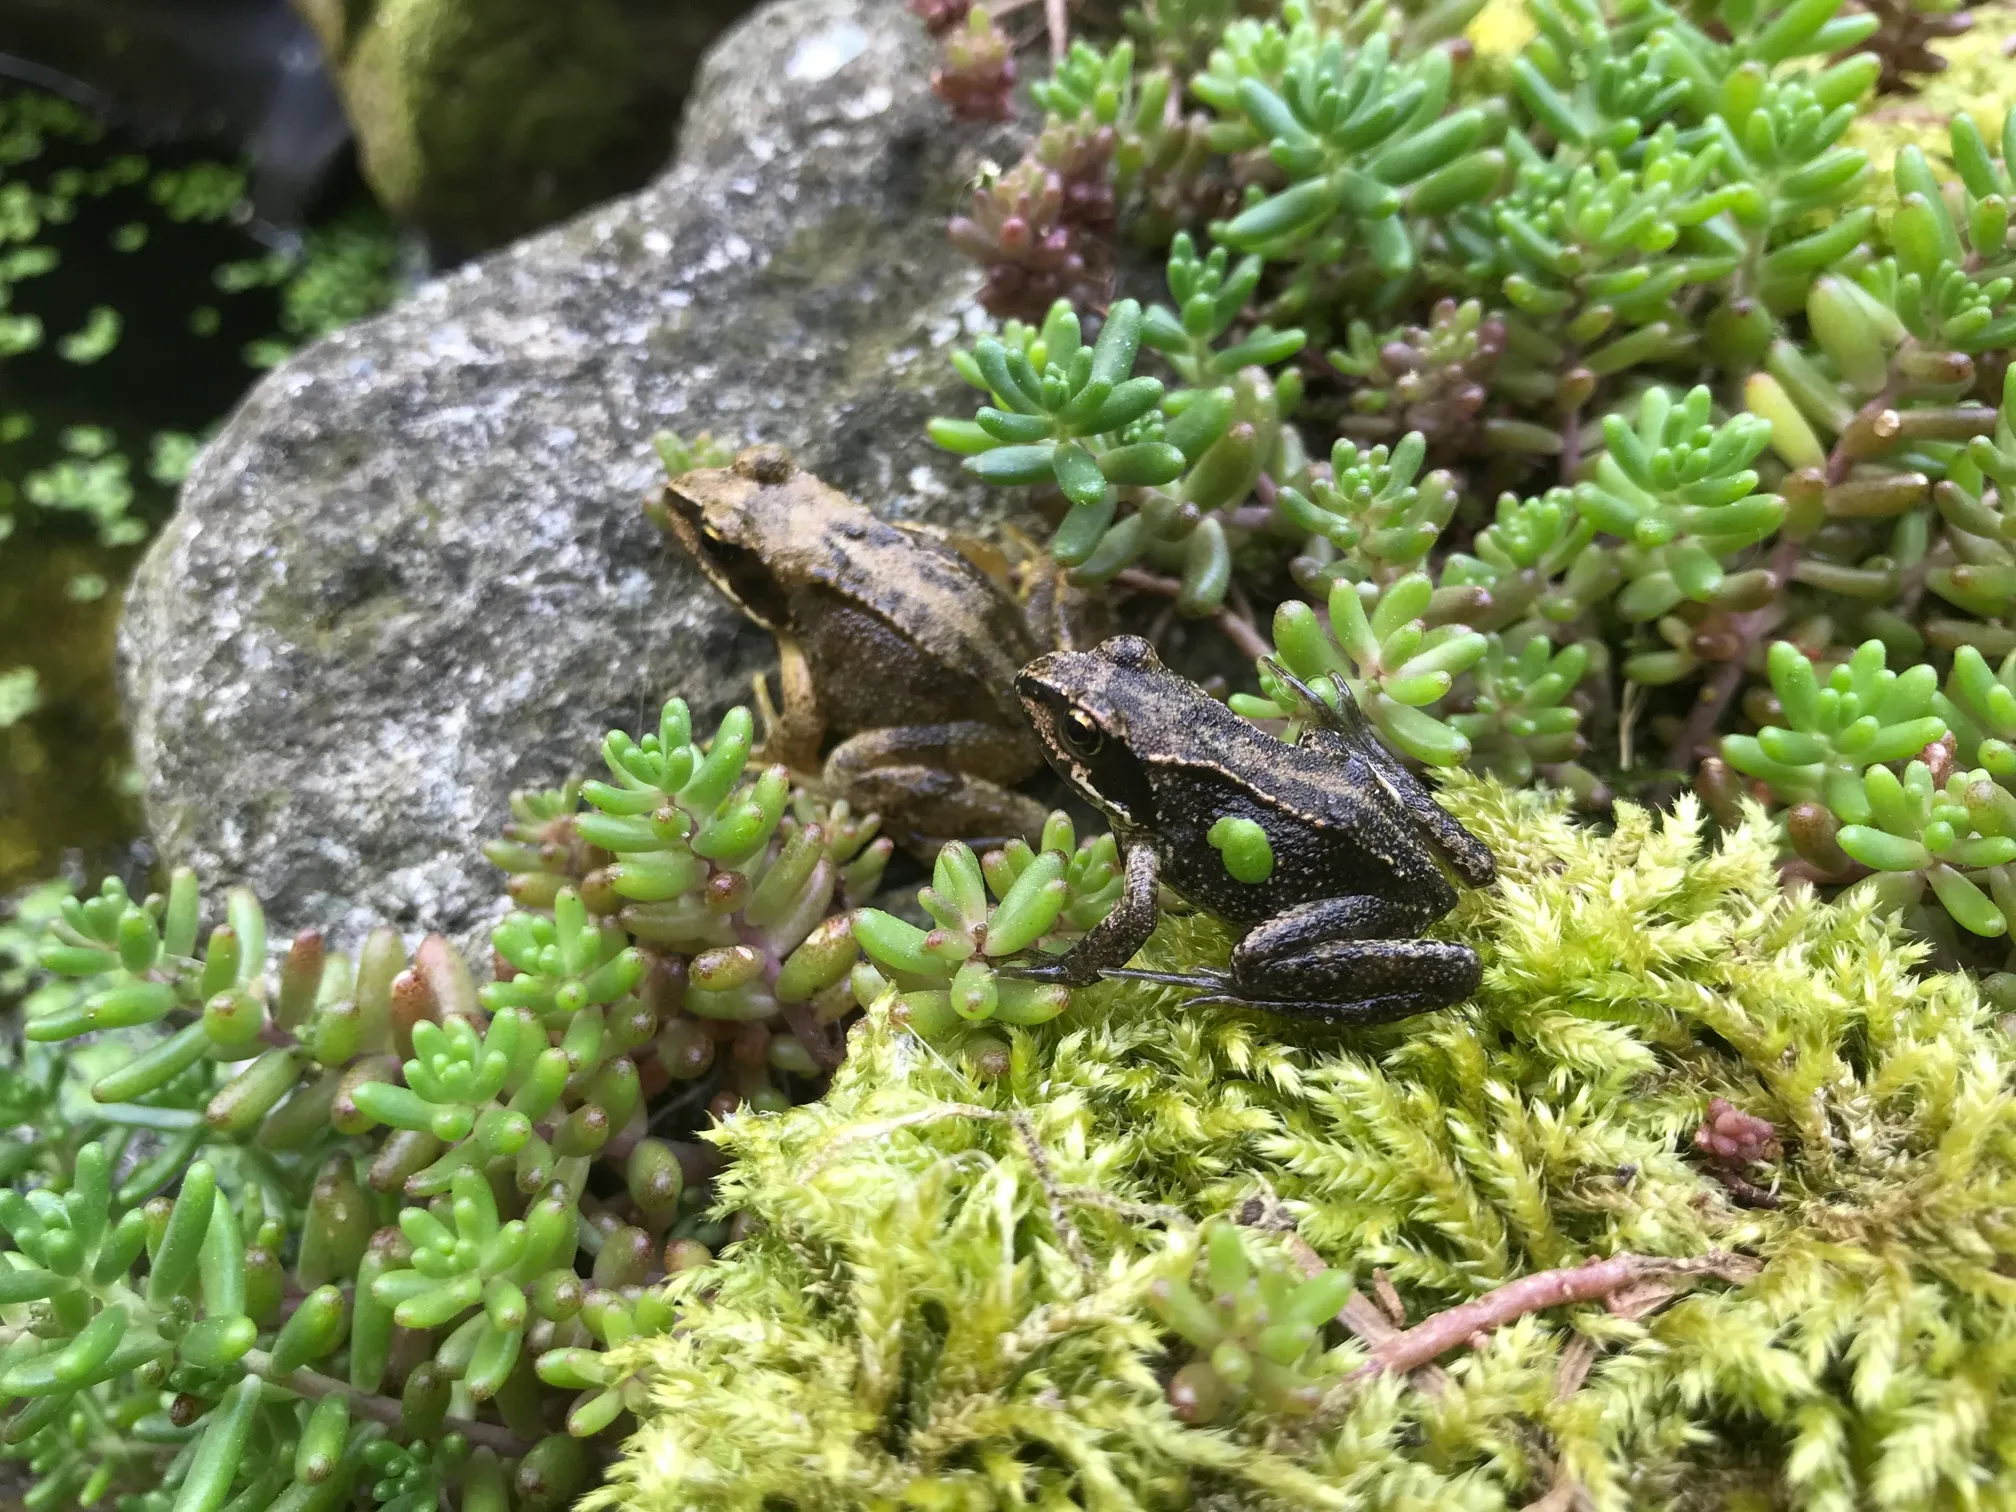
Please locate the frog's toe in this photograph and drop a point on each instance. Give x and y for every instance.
(1216, 981)
(1046, 970)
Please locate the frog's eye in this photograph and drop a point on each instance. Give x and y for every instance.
(1081, 733)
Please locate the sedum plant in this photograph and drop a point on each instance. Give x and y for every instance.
(1641, 351)
(328, 1230)
(987, 912)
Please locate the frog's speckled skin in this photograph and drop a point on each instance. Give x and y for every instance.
(1359, 844)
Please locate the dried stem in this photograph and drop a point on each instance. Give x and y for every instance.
(1599, 1280)
(380, 1409)
(1236, 628)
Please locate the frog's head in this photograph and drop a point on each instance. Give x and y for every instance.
(1093, 712)
(723, 517)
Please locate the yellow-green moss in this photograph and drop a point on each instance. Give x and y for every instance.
(908, 1325)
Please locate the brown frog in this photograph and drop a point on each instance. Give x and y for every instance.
(885, 634)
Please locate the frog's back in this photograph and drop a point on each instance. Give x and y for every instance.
(1331, 826)
(933, 597)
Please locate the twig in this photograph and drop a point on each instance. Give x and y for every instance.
(1238, 630)
(1743, 1191)
(1596, 1281)
(380, 1409)
(1388, 1297)
(1574, 1368)
(1059, 26)
(1728, 677)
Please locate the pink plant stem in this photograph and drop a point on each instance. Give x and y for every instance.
(1728, 676)
(1593, 1282)
(1235, 628)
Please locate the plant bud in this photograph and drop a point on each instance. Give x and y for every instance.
(300, 979)
(725, 968)
(252, 1093)
(582, 1132)
(685, 1255)
(220, 963)
(557, 1295)
(412, 1003)
(550, 1474)
(233, 1018)
(344, 1114)
(655, 1177)
(616, 1091)
(423, 1404)
(405, 1153)
(685, 1049)
(337, 1228)
(625, 1259)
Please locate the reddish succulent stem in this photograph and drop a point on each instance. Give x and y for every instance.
(1240, 631)
(1571, 447)
(380, 1409)
(1722, 684)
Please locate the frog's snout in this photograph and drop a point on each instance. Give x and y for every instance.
(765, 462)
(1033, 680)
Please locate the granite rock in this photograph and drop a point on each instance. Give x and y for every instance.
(411, 573)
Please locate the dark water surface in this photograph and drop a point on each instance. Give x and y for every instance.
(89, 440)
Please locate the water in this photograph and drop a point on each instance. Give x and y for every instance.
(155, 312)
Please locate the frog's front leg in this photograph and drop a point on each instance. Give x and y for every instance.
(1350, 960)
(793, 733)
(938, 782)
(998, 753)
(1113, 941)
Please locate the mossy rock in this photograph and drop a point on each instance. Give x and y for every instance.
(413, 572)
(481, 120)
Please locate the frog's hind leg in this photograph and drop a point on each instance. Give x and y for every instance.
(1385, 980)
(923, 807)
(1353, 960)
(995, 752)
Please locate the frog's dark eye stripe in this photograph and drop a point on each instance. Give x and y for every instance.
(743, 576)
(1080, 732)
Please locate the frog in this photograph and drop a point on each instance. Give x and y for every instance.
(1342, 859)
(887, 635)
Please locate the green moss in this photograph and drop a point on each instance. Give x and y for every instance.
(926, 1316)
